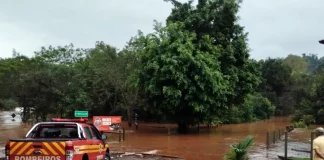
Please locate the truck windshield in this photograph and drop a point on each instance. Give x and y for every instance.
(55, 131)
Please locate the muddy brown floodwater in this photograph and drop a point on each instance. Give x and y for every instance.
(207, 144)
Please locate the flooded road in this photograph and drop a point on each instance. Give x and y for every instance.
(9, 128)
(7, 122)
(207, 144)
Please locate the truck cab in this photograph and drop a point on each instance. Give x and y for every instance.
(61, 139)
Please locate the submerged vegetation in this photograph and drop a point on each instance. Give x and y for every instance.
(240, 151)
(299, 124)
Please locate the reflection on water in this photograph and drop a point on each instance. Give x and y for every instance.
(6, 121)
(9, 128)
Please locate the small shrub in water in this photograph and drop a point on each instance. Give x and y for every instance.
(239, 151)
(308, 119)
(300, 124)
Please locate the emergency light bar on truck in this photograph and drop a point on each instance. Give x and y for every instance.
(82, 120)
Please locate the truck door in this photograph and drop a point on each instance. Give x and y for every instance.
(99, 143)
(90, 148)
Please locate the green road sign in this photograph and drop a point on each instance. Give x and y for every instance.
(80, 113)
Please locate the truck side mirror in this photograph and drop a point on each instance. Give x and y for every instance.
(103, 137)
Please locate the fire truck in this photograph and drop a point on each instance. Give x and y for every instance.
(60, 139)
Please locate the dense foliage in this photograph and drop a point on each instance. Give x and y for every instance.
(194, 69)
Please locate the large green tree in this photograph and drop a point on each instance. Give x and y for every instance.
(170, 80)
(179, 78)
(216, 32)
(218, 20)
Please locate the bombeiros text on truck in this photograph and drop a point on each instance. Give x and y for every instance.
(61, 139)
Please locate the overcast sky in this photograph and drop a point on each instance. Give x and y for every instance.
(276, 27)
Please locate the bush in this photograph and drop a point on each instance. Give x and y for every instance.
(302, 121)
(297, 116)
(8, 104)
(232, 116)
(299, 124)
(263, 109)
(308, 119)
(255, 107)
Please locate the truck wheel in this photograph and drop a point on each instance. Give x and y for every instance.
(85, 157)
(107, 156)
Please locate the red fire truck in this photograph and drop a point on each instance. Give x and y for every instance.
(61, 139)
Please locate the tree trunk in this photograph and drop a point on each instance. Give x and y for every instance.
(183, 127)
(24, 114)
(130, 115)
(44, 117)
(61, 112)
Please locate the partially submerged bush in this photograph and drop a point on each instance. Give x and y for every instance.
(300, 124)
(8, 104)
(302, 121)
(308, 119)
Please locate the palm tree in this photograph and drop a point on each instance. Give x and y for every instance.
(239, 151)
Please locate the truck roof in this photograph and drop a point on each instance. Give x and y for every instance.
(79, 123)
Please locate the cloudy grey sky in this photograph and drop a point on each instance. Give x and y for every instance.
(276, 27)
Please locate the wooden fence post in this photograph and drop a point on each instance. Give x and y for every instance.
(123, 133)
(119, 133)
(282, 131)
(286, 145)
(312, 139)
(268, 139)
